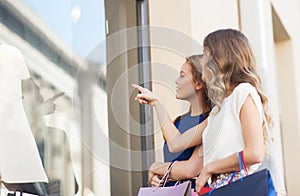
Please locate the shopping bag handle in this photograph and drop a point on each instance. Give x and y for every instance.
(166, 175)
(242, 163)
(242, 166)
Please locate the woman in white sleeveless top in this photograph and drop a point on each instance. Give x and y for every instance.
(236, 122)
(19, 158)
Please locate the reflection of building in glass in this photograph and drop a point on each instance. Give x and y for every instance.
(53, 65)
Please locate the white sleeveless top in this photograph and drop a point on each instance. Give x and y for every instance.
(19, 157)
(223, 134)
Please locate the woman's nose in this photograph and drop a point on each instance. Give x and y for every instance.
(176, 81)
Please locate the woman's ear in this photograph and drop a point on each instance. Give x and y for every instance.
(199, 86)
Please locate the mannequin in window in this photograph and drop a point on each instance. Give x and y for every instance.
(36, 108)
(19, 157)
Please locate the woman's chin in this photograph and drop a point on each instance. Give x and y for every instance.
(179, 97)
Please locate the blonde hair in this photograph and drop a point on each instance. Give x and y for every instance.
(229, 62)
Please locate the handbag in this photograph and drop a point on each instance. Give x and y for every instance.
(259, 183)
(183, 189)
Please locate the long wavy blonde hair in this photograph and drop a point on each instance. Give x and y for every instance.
(229, 62)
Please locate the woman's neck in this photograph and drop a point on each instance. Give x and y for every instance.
(198, 105)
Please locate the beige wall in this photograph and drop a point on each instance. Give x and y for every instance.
(287, 59)
(273, 28)
(207, 16)
(287, 56)
(173, 14)
(289, 121)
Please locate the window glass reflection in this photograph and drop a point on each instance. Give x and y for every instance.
(56, 39)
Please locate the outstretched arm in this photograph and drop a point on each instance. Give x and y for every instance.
(175, 140)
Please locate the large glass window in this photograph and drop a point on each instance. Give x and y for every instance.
(58, 40)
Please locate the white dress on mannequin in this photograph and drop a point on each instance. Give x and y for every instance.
(19, 158)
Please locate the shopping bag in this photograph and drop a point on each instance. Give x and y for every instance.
(183, 189)
(259, 183)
